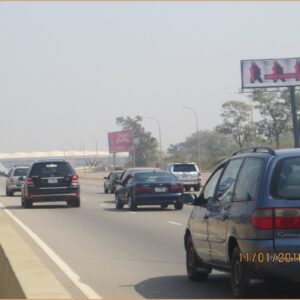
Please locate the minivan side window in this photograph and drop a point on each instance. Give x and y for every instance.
(248, 180)
(286, 178)
(209, 190)
(225, 188)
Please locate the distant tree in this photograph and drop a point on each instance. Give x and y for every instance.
(236, 121)
(213, 148)
(274, 109)
(145, 144)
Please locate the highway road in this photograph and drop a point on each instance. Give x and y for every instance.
(114, 254)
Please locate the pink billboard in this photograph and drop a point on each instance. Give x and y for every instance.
(120, 141)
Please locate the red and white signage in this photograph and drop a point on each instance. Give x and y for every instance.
(270, 72)
(120, 141)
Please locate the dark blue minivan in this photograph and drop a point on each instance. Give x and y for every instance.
(246, 220)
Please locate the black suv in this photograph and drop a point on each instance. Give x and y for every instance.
(51, 180)
(247, 220)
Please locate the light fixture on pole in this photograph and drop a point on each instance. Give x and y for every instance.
(197, 129)
(160, 145)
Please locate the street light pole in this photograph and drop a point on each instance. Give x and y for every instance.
(160, 145)
(197, 128)
(96, 142)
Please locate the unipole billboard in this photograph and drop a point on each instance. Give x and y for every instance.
(274, 73)
(120, 141)
(263, 73)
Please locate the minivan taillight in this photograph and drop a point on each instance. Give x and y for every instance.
(29, 181)
(74, 180)
(276, 218)
(287, 218)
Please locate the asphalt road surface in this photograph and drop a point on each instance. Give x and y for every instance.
(114, 254)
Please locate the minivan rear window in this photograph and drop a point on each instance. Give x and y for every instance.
(286, 179)
(184, 168)
(51, 169)
(21, 172)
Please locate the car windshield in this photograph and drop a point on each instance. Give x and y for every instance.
(21, 172)
(51, 169)
(286, 179)
(152, 177)
(184, 168)
(115, 175)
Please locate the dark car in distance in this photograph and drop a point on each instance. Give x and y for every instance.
(110, 181)
(149, 188)
(247, 220)
(51, 180)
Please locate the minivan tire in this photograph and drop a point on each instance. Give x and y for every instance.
(239, 276)
(193, 263)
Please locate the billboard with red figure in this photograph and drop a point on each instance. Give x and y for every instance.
(120, 141)
(277, 72)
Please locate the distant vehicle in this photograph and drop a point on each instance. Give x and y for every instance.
(247, 220)
(149, 188)
(15, 179)
(187, 173)
(51, 180)
(128, 171)
(111, 180)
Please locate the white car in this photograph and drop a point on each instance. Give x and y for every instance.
(187, 173)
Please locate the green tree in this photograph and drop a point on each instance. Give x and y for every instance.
(213, 148)
(145, 144)
(236, 121)
(274, 109)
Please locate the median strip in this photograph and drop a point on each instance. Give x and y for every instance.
(174, 223)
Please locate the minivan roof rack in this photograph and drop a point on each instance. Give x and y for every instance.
(255, 149)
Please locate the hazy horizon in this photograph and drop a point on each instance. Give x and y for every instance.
(69, 69)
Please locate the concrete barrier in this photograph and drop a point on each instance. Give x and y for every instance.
(22, 273)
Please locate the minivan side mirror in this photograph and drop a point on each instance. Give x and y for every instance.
(193, 199)
(105, 177)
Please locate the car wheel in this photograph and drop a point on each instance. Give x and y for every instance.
(239, 274)
(164, 205)
(187, 188)
(131, 204)
(193, 264)
(6, 191)
(105, 190)
(76, 202)
(197, 188)
(178, 205)
(27, 203)
(119, 204)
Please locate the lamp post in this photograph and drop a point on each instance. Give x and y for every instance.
(160, 146)
(197, 128)
(96, 142)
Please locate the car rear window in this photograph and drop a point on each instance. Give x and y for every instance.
(50, 169)
(286, 179)
(184, 168)
(21, 172)
(149, 177)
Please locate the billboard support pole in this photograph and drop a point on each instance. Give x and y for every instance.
(294, 116)
(114, 160)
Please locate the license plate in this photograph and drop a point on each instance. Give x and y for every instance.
(52, 180)
(160, 189)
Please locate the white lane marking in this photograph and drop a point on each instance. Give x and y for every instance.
(132, 212)
(174, 223)
(75, 278)
(102, 204)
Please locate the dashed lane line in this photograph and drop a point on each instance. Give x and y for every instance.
(74, 277)
(174, 223)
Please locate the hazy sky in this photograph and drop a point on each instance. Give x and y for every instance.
(68, 70)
